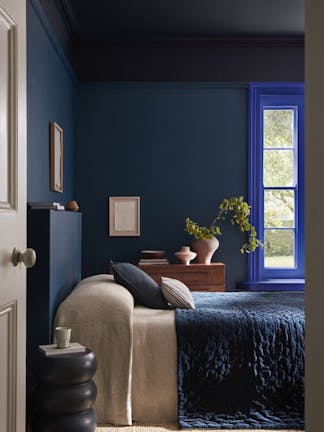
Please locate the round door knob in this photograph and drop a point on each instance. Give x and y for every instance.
(27, 257)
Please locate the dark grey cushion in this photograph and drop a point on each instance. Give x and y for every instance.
(143, 288)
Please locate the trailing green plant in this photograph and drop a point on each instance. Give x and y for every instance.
(239, 211)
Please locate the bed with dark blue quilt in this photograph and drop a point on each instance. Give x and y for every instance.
(241, 361)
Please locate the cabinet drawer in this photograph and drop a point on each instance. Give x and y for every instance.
(198, 277)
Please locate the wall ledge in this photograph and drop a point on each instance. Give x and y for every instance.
(272, 285)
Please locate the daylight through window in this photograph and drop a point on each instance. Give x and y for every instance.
(276, 180)
(280, 176)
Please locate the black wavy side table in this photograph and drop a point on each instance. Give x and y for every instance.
(65, 393)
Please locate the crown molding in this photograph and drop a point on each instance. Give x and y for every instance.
(217, 40)
(52, 37)
(68, 17)
(130, 59)
(70, 22)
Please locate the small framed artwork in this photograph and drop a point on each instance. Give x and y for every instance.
(124, 216)
(56, 151)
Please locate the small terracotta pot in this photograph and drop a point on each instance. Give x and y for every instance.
(205, 249)
(185, 255)
(72, 206)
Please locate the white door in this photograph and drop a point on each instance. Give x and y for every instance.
(12, 213)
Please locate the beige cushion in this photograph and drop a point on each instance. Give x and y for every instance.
(177, 293)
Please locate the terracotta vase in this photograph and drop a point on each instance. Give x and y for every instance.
(185, 255)
(205, 249)
(72, 206)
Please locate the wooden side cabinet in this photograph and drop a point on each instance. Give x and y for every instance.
(198, 277)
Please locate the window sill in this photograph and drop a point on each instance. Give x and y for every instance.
(272, 285)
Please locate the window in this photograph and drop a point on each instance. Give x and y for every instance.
(276, 183)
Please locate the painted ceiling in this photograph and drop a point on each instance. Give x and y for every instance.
(102, 20)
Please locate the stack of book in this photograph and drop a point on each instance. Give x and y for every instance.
(46, 206)
(52, 350)
(153, 258)
(153, 261)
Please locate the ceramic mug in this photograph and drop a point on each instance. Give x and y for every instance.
(63, 336)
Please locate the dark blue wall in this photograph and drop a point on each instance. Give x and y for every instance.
(180, 147)
(51, 96)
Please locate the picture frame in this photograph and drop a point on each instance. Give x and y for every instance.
(56, 157)
(124, 216)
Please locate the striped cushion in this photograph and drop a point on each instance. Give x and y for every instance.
(177, 293)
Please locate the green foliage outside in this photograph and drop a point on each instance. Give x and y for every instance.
(278, 204)
(278, 128)
(278, 243)
(281, 261)
(279, 208)
(278, 168)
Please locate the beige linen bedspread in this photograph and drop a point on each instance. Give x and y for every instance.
(154, 371)
(135, 348)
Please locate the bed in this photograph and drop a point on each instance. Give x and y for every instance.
(147, 358)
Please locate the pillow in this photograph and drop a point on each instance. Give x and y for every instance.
(177, 293)
(143, 288)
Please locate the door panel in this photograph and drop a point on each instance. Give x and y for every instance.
(8, 113)
(12, 214)
(8, 361)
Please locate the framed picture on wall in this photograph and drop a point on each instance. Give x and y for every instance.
(124, 216)
(56, 157)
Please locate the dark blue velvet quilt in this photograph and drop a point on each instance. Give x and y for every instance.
(241, 361)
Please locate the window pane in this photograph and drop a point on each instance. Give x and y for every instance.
(279, 206)
(278, 167)
(278, 128)
(279, 248)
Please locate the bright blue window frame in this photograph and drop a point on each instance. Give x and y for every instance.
(271, 96)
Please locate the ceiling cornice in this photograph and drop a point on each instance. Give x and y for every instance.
(54, 38)
(68, 19)
(251, 41)
(131, 58)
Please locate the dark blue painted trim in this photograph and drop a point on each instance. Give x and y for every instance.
(52, 37)
(273, 285)
(126, 86)
(257, 92)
